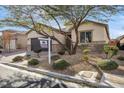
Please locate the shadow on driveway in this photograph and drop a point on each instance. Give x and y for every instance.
(21, 81)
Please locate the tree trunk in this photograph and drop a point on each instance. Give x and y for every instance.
(100, 72)
(74, 49)
(63, 46)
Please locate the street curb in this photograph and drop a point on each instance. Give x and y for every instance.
(59, 76)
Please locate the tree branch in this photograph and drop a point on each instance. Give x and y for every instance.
(52, 17)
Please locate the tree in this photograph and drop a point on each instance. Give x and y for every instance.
(31, 16)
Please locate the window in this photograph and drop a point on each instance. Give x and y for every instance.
(85, 37)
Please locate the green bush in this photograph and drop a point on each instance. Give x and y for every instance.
(110, 50)
(33, 62)
(86, 51)
(85, 56)
(17, 58)
(60, 64)
(121, 58)
(83, 46)
(108, 65)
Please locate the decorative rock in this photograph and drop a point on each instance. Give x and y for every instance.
(88, 75)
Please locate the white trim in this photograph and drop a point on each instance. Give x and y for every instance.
(49, 50)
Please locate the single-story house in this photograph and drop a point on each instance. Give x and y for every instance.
(13, 40)
(90, 32)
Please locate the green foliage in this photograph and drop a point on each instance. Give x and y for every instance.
(121, 58)
(60, 64)
(110, 50)
(33, 62)
(17, 58)
(108, 65)
(85, 56)
(86, 51)
(83, 46)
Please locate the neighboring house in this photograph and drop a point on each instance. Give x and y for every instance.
(114, 42)
(13, 40)
(90, 32)
(120, 39)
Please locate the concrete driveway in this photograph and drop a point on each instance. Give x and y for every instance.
(13, 77)
(7, 57)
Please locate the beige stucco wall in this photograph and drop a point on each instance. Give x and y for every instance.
(122, 41)
(98, 32)
(34, 34)
(55, 45)
(21, 41)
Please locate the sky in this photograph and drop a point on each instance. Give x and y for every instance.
(116, 24)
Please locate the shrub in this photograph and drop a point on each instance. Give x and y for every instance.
(33, 62)
(108, 65)
(17, 58)
(60, 64)
(83, 46)
(85, 56)
(121, 58)
(86, 51)
(61, 52)
(110, 50)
